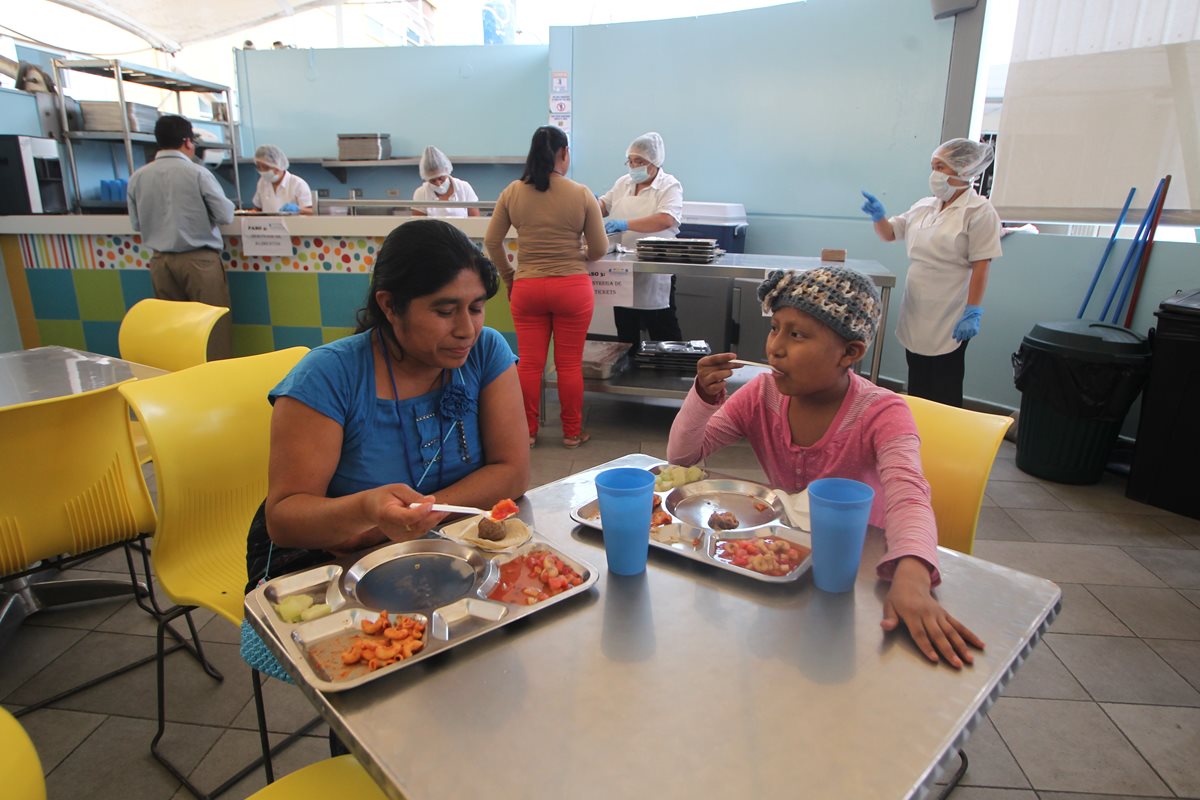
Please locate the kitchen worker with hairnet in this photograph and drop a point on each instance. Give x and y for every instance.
(279, 191)
(952, 238)
(646, 201)
(435, 169)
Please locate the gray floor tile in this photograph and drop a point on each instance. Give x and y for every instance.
(655, 447)
(286, 707)
(131, 619)
(996, 524)
(1191, 594)
(112, 561)
(1083, 613)
(192, 696)
(1118, 669)
(543, 471)
(1085, 527)
(1169, 738)
(1184, 526)
(237, 748)
(1177, 568)
(598, 450)
(1021, 494)
(980, 793)
(1076, 796)
(1069, 563)
(1044, 676)
(1005, 469)
(218, 629)
(1151, 613)
(1107, 495)
(114, 763)
(1183, 656)
(1069, 746)
(989, 763)
(987, 502)
(83, 616)
(30, 651)
(56, 733)
(1008, 449)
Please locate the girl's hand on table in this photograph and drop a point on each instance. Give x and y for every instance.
(400, 512)
(711, 372)
(935, 632)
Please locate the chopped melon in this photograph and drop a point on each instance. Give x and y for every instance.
(314, 612)
(291, 608)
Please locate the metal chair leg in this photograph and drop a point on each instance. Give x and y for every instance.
(265, 740)
(958, 776)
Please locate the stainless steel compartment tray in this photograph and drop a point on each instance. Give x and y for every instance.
(682, 537)
(442, 584)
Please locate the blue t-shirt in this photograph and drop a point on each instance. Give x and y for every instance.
(384, 441)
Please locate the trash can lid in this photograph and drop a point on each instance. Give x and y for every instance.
(1089, 340)
(1185, 304)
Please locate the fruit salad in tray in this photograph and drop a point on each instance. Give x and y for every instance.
(365, 616)
(732, 524)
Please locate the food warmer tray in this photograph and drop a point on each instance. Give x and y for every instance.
(449, 598)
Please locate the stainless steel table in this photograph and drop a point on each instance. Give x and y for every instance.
(690, 682)
(43, 373)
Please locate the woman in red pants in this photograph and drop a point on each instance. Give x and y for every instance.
(550, 291)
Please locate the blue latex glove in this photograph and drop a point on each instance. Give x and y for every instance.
(968, 326)
(290, 208)
(873, 208)
(615, 226)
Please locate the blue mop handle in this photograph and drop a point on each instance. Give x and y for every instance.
(1133, 246)
(1132, 279)
(1112, 240)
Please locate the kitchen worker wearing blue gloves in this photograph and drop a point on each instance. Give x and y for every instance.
(279, 191)
(645, 202)
(952, 238)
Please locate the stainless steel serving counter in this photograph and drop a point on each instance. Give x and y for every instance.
(690, 682)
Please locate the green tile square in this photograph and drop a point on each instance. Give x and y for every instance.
(100, 296)
(294, 299)
(333, 334)
(250, 340)
(65, 332)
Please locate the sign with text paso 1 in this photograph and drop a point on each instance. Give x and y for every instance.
(265, 236)
(612, 284)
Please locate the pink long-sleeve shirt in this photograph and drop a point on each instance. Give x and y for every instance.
(872, 439)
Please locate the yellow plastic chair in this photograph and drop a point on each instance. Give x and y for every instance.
(957, 450)
(208, 428)
(168, 334)
(333, 777)
(19, 762)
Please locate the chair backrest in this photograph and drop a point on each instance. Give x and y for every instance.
(19, 762)
(957, 450)
(208, 428)
(168, 334)
(69, 479)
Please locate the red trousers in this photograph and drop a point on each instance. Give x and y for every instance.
(561, 307)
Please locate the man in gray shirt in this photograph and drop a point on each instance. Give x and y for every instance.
(177, 205)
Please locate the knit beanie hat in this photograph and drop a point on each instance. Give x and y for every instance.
(841, 298)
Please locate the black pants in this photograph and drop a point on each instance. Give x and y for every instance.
(661, 324)
(938, 378)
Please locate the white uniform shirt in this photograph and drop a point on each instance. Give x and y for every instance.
(664, 195)
(462, 192)
(942, 243)
(271, 197)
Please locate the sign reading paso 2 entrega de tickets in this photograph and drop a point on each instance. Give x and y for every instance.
(265, 236)
(612, 283)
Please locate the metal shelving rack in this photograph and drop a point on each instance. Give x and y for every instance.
(144, 76)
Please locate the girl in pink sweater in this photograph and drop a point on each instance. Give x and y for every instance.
(813, 417)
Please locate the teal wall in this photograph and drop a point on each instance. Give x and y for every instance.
(481, 101)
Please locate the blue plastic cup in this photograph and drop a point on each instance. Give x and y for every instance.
(839, 510)
(626, 497)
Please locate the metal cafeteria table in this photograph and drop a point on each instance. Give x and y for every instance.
(690, 682)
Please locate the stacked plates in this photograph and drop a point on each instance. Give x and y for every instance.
(671, 355)
(106, 116)
(364, 146)
(684, 251)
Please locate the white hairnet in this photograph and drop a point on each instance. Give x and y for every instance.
(272, 156)
(434, 164)
(965, 157)
(650, 147)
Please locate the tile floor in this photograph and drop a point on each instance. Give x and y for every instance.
(1108, 706)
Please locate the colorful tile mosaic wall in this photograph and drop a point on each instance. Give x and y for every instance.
(81, 286)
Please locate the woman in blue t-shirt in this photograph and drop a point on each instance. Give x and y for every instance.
(421, 401)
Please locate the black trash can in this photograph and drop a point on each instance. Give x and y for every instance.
(1168, 441)
(1077, 380)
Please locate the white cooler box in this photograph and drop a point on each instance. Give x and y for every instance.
(725, 222)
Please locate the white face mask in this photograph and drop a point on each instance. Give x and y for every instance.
(269, 174)
(639, 174)
(444, 188)
(939, 184)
